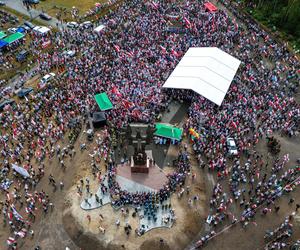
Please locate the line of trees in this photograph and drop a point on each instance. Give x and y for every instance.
(284, 14)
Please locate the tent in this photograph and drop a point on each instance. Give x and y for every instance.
(3, 44)
(103, 101)
(20, 170)
(41, 30)
(210, 7)
(2, 34)
(99, 119)
(14, 37)
(168, 131)
(21, 30)
(207, 70)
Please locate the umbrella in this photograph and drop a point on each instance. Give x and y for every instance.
(97, 4)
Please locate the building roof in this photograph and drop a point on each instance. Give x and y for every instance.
(208, 71)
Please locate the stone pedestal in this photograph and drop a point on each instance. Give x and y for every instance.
(139, 168)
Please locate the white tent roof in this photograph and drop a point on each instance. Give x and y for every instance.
(207, 71)
(41, 29)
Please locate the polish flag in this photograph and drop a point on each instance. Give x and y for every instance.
(154, 5)
(116, 92)
(129, 53)
(187, 22)
(10, 241)
(163, 49)
(117, 48)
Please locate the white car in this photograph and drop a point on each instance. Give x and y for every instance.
(86, 24)
(72, 25)
(69, 53)
(47, 78)
(231, 146)
(12, 30)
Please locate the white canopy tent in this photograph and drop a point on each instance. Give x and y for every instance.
(207, 71)
(41, 29)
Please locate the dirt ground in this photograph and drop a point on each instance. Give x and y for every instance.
(68, 226)
(252, 237)
(188, 223)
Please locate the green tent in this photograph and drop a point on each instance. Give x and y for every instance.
(168, 131)
(14, 37)
(103, 101)
(2, 34)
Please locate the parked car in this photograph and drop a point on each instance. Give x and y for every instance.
(5, 102)
(19, 84)
(45, 16)
(23, 92)
(22, 56)
(24, 27)
(69, 53)
(12, 30)
(46, 79)
(72, 25)
(86, 24)
(29, 24)
(231, 146)
(33, 1)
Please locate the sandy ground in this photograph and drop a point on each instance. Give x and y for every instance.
(189, 220)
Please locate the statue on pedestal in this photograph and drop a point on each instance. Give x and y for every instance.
(139, 142)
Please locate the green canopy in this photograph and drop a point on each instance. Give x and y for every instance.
(103, 101)
(168, 131)
(14, 37)
(2, 34)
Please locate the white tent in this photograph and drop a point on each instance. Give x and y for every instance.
(207, 71)
(41, 29)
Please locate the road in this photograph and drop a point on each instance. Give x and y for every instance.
(33, 13)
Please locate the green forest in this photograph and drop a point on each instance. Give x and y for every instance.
(282, 16)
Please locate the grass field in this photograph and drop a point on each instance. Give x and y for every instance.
(81, 5)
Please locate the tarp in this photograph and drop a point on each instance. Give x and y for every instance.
(210, 7)
(2, 34)
(21, 30)
(168, 131)
(208, 71)
(14, 37)
(20, 170)
(103, 101)
(2, 44)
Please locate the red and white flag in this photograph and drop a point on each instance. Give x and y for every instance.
(117, 48)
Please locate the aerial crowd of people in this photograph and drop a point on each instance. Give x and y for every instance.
(130, 60)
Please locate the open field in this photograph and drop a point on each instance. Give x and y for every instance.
(63, 7)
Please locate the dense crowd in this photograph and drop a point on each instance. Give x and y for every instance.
(130, 60)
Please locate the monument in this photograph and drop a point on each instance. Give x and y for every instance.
(139, 162)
